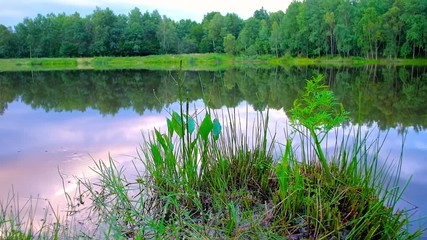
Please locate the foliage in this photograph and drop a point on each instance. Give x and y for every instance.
(366, 28)
(19, 219)
(198, 187)
(318, 111)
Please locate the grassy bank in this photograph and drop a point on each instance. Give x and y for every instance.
(209, 176)
(209, 61)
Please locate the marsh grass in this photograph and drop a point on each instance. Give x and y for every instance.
(31, 218)
(233, 188)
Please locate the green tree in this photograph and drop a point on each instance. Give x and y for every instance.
(188, 36)
(105, 37)
(151, 22)
(370, 32)
(290, 29)
(263, 39)
(303, 40)
(134, 33)
(167, 36)
(230, 44)
(344, 28)
(215, 32)
(75, 37)
(248, 36)
(233, 24)
(393, 26)
(415, 20)
(275, 38)
(329, 19)
(5, 41)
(261, 14)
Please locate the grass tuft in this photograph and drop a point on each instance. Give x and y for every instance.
(206, 178)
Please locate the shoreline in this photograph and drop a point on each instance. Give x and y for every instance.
(192, 62)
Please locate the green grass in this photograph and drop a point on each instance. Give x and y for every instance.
(195, 62)
(232, 190)
(43, 64)
(203, 180)
(28, 218)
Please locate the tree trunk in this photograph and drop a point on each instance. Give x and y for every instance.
(413, 51)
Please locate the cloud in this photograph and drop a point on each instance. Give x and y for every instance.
(12, 13)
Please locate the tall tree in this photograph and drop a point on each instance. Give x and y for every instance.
(275, 38)
(105, 37)
(216, 31)
(230, 46)
(189, 34)
(344, 28)
(370, 32)
(415, 20)
(134, 33)
(5, 41)
(263, 38)
(248, 36)
(167, 36)
(76, 36)
(233, 24)
(151, 22)
(290, 29)
(393, 26)
(329, 19)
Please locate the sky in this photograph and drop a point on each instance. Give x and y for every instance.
(13, 12)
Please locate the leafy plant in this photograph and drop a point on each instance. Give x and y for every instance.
(317, 110)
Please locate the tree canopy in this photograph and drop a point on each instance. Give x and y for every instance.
(308, 28)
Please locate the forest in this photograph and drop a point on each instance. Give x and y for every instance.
(308, 28)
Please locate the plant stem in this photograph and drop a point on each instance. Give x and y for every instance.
(321, 155)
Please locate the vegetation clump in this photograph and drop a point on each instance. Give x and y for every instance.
(206, 181)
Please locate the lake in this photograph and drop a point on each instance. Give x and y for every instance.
(61, 121)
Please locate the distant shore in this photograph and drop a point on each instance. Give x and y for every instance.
(208, 61)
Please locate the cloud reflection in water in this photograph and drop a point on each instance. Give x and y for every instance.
(34, 144)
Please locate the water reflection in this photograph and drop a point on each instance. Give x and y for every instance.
(389, 96)
(66, 120)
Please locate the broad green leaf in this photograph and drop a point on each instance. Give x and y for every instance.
(169, 143)
(193, 143)
(191, 124)
(216, 129)
(170, 127)
(157, 158)
(206, 127)
(177, 124)
(161, 140)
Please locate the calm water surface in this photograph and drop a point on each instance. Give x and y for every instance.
(55, 122)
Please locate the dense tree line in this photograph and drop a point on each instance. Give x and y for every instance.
(388, 96)
(368, 28)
